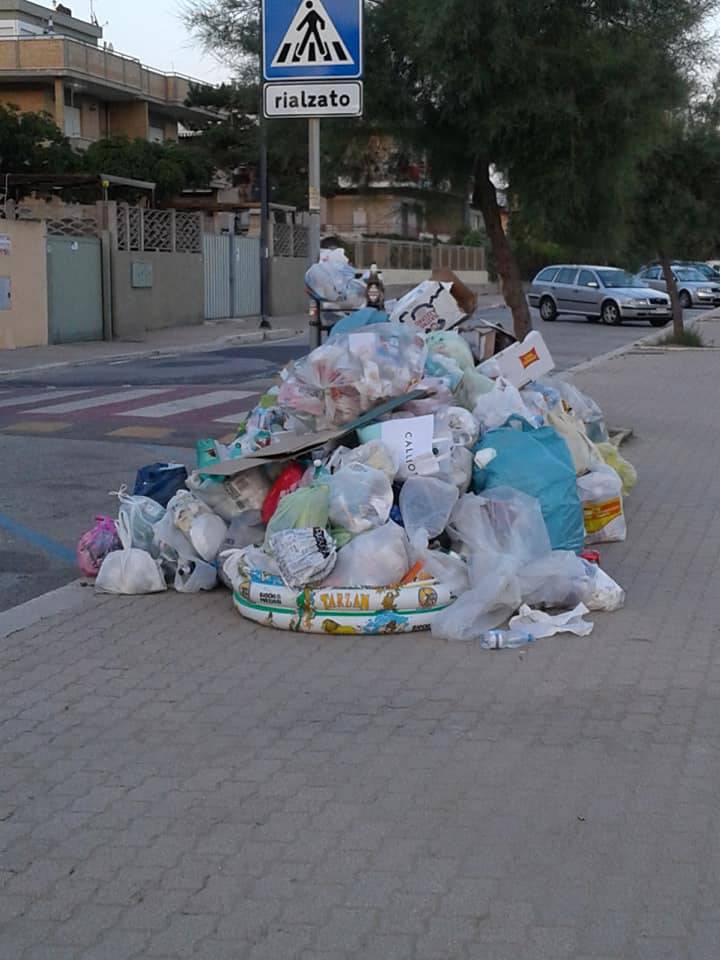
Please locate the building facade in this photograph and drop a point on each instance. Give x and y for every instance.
(54, 62)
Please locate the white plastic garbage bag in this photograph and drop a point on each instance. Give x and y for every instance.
(603, 593)
(378, 558)
(540, 624)
(447, 568)
(426, 504)
(493, 409)
(360, 498)
(171, 545)
(560, 579)
(333, 280)
(130, 571)
(462, 425)
(230, 498)
(601, 494)
(374, 454)
(305, 556)
(493, 597)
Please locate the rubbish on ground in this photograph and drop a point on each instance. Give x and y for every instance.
(374, 454)
(601, 495)
(287, 482)
(305, 556)
(602, 592)
(333, 280)
(505, 639)
(591, 556)
(526, 361)
(364, 317)
(537, 462)
(583, 407)
(493, 409)
(541, 624)
(583, 451)
(410, 439)
(625, 470)
(244, 531)
(96, 544)
(160, 481)
(193, 576)
(232, 497)
(204, 529)
(130, 571)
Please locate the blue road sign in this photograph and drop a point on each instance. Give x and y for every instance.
(312, 39)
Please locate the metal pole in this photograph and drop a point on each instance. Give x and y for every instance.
(314, 208)
(264, 223)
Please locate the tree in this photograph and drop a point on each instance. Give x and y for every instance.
(32, 143)
(675, 213)
(171, 166)
(563, 96)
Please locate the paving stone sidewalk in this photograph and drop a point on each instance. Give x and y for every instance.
(175, 783)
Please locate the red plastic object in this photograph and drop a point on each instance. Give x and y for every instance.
(288, 481)
(592, 556)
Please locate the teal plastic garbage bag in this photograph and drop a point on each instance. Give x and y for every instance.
(366, 317)
(537, 462)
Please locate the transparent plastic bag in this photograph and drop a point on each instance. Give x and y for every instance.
(490, 600)
(378, 558)
(136, 519)
(560, 579)
(601, 496)
(360, 498)
(602, 593)
(333, 280)
(306, 507)
(582, 406)
(448, 569)
(305, 557)
(374, 453)
(624, 469)
(493, 409)
(194, 576)
(460, 423)
(203, 528)
(426, 504)
(96, 544)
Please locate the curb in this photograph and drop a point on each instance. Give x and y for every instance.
(40, 608)
(240, 339)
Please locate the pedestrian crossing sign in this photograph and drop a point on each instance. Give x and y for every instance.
(312, 39)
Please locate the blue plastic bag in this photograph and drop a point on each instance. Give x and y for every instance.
(160, 481)
(538, 463)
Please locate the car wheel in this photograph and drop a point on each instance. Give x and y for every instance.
(611, 313)
(685, 300)
(660, 321)
(548, 310)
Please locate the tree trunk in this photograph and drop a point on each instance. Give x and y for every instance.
(485, 198)
(677, 310)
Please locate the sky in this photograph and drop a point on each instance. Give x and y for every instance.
(152, 31)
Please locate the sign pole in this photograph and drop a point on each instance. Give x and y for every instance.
(314, 205)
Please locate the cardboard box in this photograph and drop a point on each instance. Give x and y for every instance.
(466, 299)
(526, 361)
(430, 306)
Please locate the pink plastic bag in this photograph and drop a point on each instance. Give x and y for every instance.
(96, 544)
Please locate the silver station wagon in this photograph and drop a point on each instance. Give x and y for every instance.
(605, 293)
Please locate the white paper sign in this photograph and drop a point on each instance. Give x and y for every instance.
(413, 439)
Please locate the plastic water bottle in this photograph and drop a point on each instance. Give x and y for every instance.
(505, 639)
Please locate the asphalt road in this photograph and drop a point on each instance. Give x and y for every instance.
(59, 467)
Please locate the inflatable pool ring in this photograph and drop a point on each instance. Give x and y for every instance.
(338, 622)
(271, 591)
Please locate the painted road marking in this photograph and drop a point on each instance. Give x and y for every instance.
(88, 403)
(233, 417)
(36, 426)
(142, 433)
(186, 404)
(18, 401)
(37, 539)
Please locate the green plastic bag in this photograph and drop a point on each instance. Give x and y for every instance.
(306, 507)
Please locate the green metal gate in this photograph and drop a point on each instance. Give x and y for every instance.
(75, 303)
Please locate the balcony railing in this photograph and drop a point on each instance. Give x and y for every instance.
(59, 55)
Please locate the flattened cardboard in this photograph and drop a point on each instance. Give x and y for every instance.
(291, 445)
(465, 298)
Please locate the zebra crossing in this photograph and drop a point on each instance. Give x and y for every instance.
(163, 413)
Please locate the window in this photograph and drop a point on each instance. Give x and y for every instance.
(587, 279)
(547, 275)
(73, 122)
(566, 275)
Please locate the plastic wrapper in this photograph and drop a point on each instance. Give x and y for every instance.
(360, 498)
(624, 469)
(601, 495)
(305, 556)
(426, 504)
(378, 558)
(96, 544)
(333, 280)
(539, 624)
(306, 507)
(130, 572)
(603, 593)
(349, 375)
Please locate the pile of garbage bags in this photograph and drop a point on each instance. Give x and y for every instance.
(389, 483)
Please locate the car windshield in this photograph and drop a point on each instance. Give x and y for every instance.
(704, 269)
(689, 274)
(618, 278)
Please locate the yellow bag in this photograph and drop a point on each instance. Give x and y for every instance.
(625, 470)
(572, 430)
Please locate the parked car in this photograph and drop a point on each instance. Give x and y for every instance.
(694, 289)
(606, 293)
(709, 270)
